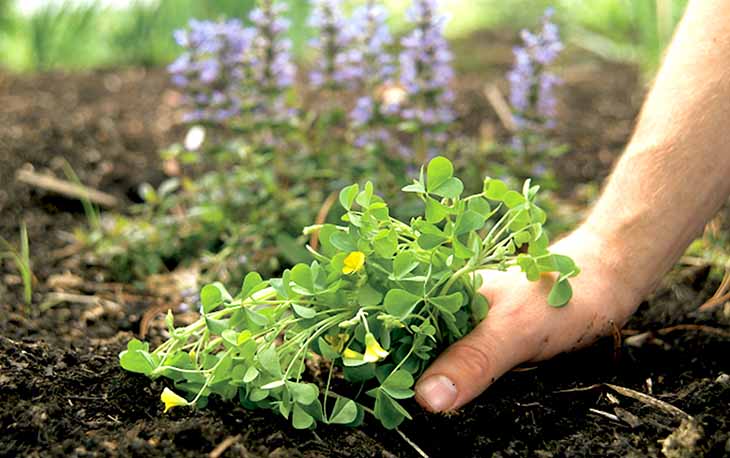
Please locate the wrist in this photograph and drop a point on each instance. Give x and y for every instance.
(606, 270)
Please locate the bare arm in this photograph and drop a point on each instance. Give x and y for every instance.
(674, 175)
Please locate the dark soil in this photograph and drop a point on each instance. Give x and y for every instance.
(62, 392)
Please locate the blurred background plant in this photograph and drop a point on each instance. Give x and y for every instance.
(55, 33)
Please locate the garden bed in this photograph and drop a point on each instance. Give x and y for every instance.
(62, 392)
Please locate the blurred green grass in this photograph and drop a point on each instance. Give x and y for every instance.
(69, 34)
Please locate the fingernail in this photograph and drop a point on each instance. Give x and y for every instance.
(438, 392)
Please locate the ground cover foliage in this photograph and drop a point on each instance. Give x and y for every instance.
(380, 300)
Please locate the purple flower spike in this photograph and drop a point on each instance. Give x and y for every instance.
(272, 71)
(370, 40)
(339, 65)
(210, 71)
(531, 86)
(374, 70)
(425, 67)
(270, 56)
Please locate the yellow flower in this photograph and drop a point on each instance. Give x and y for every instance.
(337, 342)
(172, 399)
(354, 262)
(352, 354)
(373, 351)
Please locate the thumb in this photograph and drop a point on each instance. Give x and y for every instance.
(470, 365)
(503, 340)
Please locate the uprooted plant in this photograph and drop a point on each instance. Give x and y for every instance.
(376, 304)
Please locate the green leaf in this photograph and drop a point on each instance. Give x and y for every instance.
(430, 241)
(365, 197)
(213, 295)
(480, 205)
(400, 303)
(252, 283)
(250, 375)
(388, 411)
(304, 312)
(303, 393)
(522, 237)
(369, 296)
(343, 241)
(301, 274)
(416, 187)
(398, 385)
(479, 308)
(560, 293)
(137, 358)
(439, 170)
(360, 373)
(273, 385)
(230, 336)
(255, 317)
(269, 361)
(566, 266)
(513, 198)
(435, 211)
(461, 251)
(301, 419)
(344, 412)
(469, 221)
(451, 188)
(258, 395)
(494, 189)
(348, 195)
(529, 266)
(451, 303)
(216, 326)
(326, 350)
(386, 243)
(403, 264)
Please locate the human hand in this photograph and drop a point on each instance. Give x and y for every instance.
(522, 327)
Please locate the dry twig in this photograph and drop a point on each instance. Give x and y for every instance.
(649, 400)
(223, 446)
(722, 294)
(66, 188)
(415, 447)
(501, 107)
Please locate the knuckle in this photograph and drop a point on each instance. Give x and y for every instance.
(475, 358)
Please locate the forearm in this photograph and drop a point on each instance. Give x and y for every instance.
(675, 173)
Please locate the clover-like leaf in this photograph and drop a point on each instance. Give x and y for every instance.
(469, 221)
(302, 311)
(451, 303)
(344, 412)
(400, 303)
(560, 294)
(388, 411)
(494, 189)
(269, 360)
(252, 284)
(300, 418)
(303, 393)
(301, 274)
(136, 358)
(348, 195)
(398, 385)
(213, 295)
(403, 264)
(438, 172)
